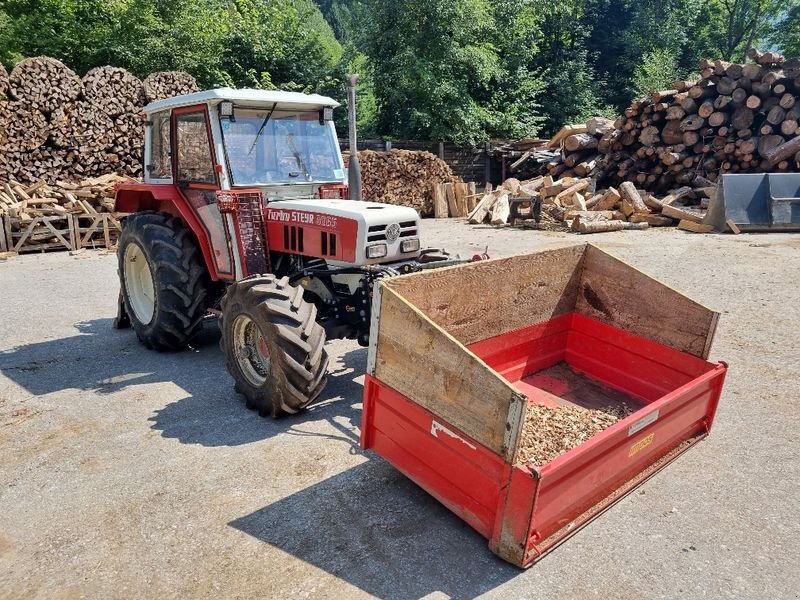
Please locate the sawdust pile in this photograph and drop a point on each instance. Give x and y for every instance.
(550, 432)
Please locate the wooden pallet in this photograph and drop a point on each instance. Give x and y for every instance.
(22, 237)
(100, 230)
(3, 241)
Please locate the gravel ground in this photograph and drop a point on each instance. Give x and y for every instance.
(125, 473)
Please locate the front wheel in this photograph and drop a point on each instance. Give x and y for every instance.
(273, 346)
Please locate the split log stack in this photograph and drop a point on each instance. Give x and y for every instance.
(55, 126)
(405, 178)
(166, 84)
(737, 118)
(65, 216)
(579, 205)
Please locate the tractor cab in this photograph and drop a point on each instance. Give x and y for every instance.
(282, 142)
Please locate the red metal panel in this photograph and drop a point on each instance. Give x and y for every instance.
(640, 367)
(518, 353)
(166, 198)
(313, 225)
(577, 480)
(463, 475)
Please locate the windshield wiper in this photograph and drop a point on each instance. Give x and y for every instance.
(300, 162)
(261, 129)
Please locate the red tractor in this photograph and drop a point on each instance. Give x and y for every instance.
(244, 211)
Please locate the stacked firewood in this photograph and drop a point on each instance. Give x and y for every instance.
(56, 126)
(579, 205)
(166, 84)
(404, 177)
(735, 118)
(88, 196)
(43, 216)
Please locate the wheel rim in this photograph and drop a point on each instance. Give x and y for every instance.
(250, 350)
(139, 284)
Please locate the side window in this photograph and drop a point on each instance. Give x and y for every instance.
(160, 166)
(194, 154)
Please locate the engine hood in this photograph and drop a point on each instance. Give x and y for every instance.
(368, 213)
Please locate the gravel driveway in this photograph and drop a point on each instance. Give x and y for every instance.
(125, 473)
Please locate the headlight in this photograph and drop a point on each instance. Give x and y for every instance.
(377, 251)
(409, 246)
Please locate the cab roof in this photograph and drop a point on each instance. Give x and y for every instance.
(245, 97)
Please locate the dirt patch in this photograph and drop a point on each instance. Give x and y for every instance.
(550, 432)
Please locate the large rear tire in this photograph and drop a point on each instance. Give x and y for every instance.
(273, 346)
(163, 279)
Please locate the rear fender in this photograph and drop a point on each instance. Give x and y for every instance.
(166, 198)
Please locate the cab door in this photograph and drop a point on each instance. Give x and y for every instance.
(194, 166)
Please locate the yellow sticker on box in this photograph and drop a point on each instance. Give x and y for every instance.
(641, 445)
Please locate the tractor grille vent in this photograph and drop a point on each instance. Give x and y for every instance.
(248, 212)
(377, 233)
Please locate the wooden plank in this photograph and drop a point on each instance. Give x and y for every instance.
(3, 244)
(478, 215)
(733, 227)
(687, 225)
(421, 361)
(439, 201)
(485, 299)
(682, 213)
(452, 203)
(618, 294)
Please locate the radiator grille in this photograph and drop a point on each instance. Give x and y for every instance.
(248, 212)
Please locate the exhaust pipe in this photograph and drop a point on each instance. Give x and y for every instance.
(354, 171)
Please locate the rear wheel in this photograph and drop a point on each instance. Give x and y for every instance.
(273, 346)
(163, 280)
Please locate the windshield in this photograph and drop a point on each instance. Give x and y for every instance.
(290, 148)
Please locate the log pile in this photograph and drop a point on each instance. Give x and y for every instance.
(736, 118)
(404, 177)
(166, 84)
(55, 126)
(66, 215)
(578, 205)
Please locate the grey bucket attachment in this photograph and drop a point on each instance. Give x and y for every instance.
(759, 202)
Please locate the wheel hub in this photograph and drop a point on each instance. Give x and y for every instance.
(250, 350)
(139, 284)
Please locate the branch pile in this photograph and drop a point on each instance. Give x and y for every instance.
(56, 126)
(403, 177)
(737, 118)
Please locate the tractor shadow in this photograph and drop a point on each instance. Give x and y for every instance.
(375, 529)
(106, 361)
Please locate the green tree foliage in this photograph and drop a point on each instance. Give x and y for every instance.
(458, 70)
(657, 71)
(786, 33)
(256, 43)
(453, 70)
(727, 28)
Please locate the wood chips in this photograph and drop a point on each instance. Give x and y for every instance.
(550, 432)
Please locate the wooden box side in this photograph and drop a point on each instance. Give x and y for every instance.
(417, 358)
(620, 295)
(484, 299)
